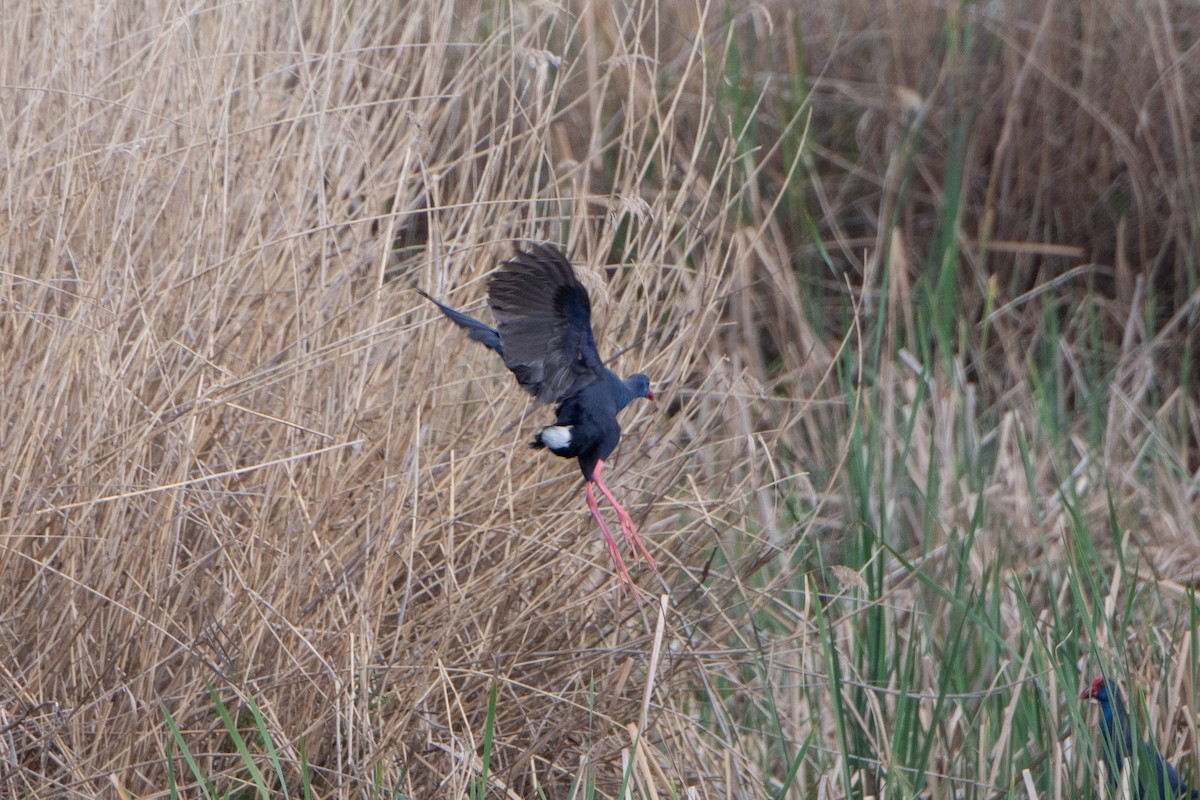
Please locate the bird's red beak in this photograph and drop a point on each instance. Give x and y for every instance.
(649, 395)
(1090, 692)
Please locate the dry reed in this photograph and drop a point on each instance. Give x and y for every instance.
(238, 449)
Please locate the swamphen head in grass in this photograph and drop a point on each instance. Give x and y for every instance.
(544, 334)
(1156, 779)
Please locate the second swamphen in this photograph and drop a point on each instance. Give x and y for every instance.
(544, 334)
(1116, 748)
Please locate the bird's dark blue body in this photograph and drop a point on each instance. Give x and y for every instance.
(590, 420)
(1117, 747)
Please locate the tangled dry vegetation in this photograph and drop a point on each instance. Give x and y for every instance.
(242, 459)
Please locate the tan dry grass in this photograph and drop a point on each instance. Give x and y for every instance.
(235, 447)
(235, 451)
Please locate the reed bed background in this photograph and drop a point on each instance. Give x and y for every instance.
(916, 284)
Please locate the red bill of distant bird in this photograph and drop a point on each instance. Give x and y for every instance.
(544, 334)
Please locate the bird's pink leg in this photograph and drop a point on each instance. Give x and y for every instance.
(618, 562)
(627, 527)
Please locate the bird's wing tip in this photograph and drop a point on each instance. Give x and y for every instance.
(538, 249)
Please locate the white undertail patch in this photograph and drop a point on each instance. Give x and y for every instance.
(556, 437)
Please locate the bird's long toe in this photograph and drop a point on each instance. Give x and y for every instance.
(628, 530)
(619, 567)
(635, 541)
(614, 552)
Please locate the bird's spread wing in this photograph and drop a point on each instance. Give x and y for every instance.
(544, 319)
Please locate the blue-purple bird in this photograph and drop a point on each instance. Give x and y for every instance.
(544, 334)
(1116, 748)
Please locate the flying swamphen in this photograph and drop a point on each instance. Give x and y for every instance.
(1116, 746)
(544, 335)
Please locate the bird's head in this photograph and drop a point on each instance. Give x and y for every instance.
(1100, 690)
(639, 386)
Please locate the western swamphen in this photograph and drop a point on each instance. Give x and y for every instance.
(544, 335)
(1116, 747)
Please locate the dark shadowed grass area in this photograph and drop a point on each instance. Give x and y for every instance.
(917, 289)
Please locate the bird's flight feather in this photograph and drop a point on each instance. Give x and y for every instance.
(544, 319)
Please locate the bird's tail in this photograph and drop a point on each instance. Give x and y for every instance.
(484, 334)
(538, 444)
